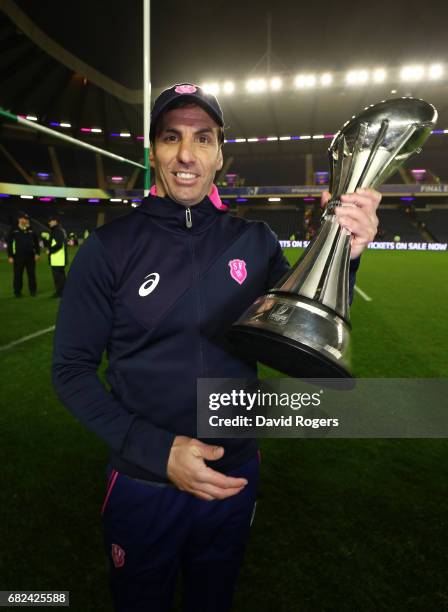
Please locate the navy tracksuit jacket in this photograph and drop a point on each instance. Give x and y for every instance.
(159, 295)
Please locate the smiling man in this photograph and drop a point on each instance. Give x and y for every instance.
(186, 154)
(158, 288)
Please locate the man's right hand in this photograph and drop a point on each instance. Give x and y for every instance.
(11, 260)
(188, 471)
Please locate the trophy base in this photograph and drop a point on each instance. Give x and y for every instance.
(295, 335)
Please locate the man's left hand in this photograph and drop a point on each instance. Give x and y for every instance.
(358, 215)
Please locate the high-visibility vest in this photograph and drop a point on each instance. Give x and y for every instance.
(57, 258)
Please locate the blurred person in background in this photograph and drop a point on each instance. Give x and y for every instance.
(56, 244)
(23, 252)
(72, 239)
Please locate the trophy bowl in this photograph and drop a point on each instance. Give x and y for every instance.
(301, 326)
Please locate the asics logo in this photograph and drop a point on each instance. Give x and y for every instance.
(151, 282)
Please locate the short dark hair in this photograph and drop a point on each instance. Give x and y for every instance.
(182, 103)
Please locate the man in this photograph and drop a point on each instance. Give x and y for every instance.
(23, 252)
(56, 243)
(156, 288)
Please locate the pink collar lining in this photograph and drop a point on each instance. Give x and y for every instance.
(213, 195)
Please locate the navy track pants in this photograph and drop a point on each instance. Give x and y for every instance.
(20, 264)
(152, 533)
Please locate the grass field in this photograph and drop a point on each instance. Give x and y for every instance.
(349, 525)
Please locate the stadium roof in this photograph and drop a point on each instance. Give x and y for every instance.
(79, 63)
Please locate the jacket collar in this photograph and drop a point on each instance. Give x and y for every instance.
(176, 217)
(213, 196)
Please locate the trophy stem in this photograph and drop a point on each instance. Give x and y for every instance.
(322, 272)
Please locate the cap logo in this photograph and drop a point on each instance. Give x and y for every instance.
(186, 89)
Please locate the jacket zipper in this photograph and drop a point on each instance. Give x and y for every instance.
(198, 305)
(189, 225)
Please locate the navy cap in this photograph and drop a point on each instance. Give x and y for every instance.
(22, 215)
(187, 92)
(53, 217)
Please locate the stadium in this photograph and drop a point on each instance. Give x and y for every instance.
(341, 524)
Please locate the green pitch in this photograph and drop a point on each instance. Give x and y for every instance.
(341, 524)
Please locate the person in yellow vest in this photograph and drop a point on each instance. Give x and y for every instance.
(56, 243)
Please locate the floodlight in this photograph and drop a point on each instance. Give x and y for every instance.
(229, 87)
(357, 77)
(411, 73)
(379, 75)
(435, 71)
(256, 85)
(305, 81)
(276, 83)
(326, 79)
(211, 88)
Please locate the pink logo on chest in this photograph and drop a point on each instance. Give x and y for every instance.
(118, 555)
(238, 270)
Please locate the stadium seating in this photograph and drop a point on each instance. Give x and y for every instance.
(78, 165)
(395, 222)
(284, 223)
(436, 222)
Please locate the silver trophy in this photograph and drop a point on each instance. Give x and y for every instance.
(301, 327)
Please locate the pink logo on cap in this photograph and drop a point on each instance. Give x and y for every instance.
(118, 555)
(186, 89)
(238, 270)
